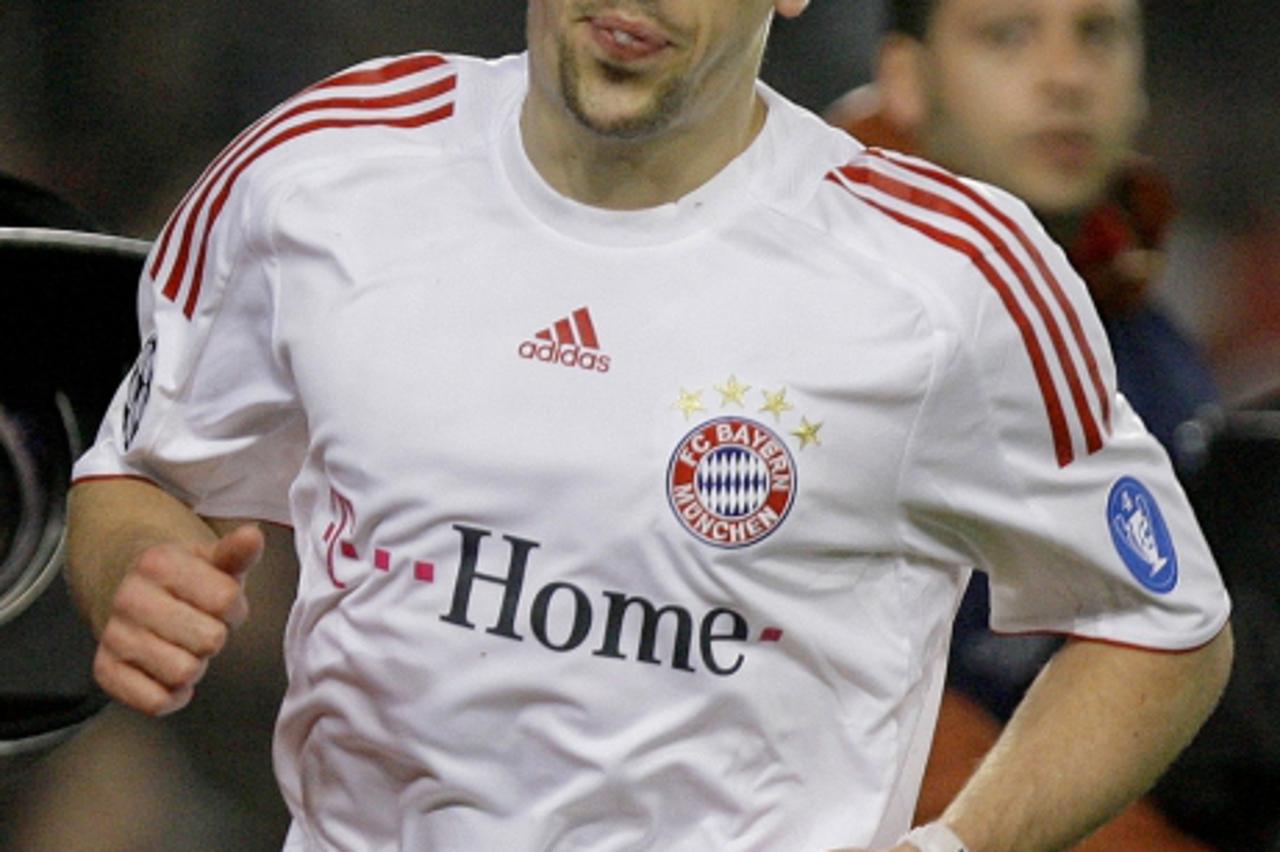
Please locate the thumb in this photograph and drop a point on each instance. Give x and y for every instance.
(790, 8)
(239, 550)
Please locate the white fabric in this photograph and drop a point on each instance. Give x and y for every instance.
(935, 837)
(354, 366)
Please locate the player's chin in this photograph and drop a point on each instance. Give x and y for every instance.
(623, 113)
(620, 101)
(1064, 195)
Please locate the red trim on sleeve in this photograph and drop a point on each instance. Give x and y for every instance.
(1115, 643)
(106, 477)
(102, 477)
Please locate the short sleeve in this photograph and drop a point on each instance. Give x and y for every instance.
(1026, 463)
(209, 411)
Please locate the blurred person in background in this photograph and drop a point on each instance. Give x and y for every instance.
(1046, 99)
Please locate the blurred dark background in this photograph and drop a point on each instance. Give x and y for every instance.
(119, 104)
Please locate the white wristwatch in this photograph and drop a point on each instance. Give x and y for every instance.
(934, 837)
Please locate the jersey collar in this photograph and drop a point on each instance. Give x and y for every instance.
(724, 197)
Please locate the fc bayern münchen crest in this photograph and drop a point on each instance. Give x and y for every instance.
(731, 482)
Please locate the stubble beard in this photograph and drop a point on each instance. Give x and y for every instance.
(664, 104)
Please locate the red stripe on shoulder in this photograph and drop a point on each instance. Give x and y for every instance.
(392, 70)
(1044, 380)
(923, 198)
(1037, 258)
(385, 73)
(106, 477)
(410, 121)
(199, 210)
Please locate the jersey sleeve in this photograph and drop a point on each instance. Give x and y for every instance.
(209, 411)
(1026, 463)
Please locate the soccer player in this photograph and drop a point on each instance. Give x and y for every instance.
(636, 434)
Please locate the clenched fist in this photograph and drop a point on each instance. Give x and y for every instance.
(170, 614)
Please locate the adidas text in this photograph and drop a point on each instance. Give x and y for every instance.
(567, 356)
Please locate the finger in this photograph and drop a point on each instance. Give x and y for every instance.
(239, 550)
(156, 609)
(190, 578)
(134, 688)
(172, 666)
(198, 633)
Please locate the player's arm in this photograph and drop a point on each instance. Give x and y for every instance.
(1097, 728)
(1065, 473)
(160, 586)
(1094, 732)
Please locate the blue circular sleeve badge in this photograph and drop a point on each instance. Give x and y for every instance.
(1141, 536)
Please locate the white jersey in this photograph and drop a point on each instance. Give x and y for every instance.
(633, 530)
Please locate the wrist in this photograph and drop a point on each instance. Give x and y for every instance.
(934, 837)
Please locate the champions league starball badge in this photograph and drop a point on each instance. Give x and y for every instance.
(139, 390)
(731, 482)
(1141, 536)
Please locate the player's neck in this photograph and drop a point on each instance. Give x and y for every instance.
(631, 174)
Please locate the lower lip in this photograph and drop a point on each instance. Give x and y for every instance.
(1064, 151)
(635, 51)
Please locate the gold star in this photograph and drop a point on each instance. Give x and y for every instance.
(689, 402)
(776, 403)
(807, 433)
(732, 391)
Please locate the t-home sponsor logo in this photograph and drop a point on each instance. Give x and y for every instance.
(494, 589)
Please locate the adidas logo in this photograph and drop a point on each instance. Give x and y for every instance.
(570, 342)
